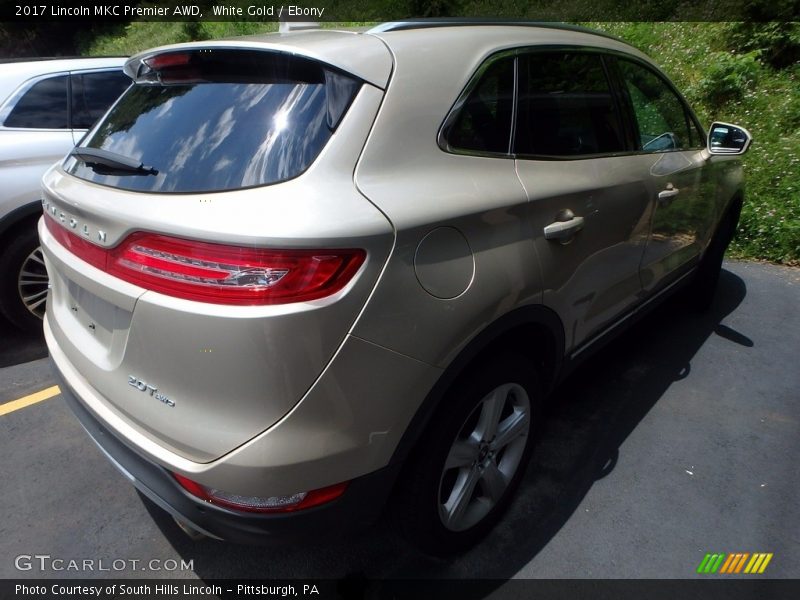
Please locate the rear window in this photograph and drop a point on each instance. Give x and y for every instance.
(483, 123)
(216, 120)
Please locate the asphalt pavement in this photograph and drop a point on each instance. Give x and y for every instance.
(679, 439)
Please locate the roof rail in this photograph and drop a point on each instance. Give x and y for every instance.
(478, 21)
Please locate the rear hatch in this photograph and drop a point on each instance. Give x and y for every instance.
(207, 247)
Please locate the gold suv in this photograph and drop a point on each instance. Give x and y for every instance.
(295, 277)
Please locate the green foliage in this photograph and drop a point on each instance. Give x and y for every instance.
(778, 43)
(431, 8)
(727, 76)
(135, 37)
(139, 36)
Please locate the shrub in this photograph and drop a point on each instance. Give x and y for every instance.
(728, 76)
(777, 42)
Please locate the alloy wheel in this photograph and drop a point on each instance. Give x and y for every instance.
(33, 282)
(484, 457)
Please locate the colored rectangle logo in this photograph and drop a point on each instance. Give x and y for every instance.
(734, 563)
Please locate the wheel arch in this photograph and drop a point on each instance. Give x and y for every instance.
(730, 214)
(735, 205)
(10, 223)
(534, 331)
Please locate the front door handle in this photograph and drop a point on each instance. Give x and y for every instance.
(565, 226)
(665, 197)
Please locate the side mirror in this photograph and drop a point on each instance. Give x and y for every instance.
(724, 138)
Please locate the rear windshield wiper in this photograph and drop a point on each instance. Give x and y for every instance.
(111, 163)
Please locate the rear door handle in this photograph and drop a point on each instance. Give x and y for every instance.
(665, 197)
(565, 226)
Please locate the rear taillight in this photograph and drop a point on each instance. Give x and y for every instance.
(231, 274)
(263, 504)
(218, 273)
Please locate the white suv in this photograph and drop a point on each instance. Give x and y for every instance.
(46, 106)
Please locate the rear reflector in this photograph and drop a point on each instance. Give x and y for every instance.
(218, 273)
(267, 504)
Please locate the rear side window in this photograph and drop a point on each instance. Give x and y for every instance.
(217, 120)
(565, 107)
(43, 106)
(661, 117)
(93, 93)
(483, 122)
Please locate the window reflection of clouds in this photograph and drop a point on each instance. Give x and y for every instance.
(277, 157)
(302, 145)
(311, 99)
(221, 131)
(187, 147)
(257, 166)
(222, 163)
(126, 145)
(254, 95)
(164, 109)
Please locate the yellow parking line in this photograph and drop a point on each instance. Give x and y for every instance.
(9, 407)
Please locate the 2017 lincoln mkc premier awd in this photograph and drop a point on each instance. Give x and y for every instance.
(299, 276)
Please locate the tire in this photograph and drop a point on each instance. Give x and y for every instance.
(23, 280)
(703, 288)
(464, 473)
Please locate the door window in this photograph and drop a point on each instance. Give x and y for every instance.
(565, 107)
(663, 123)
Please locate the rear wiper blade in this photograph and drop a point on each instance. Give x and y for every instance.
(105, 161)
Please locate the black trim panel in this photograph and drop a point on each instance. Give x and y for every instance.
(18, 215)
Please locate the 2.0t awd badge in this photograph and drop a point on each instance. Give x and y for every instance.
(143, 386)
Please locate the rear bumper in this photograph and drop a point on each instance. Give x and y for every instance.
(358, 507)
